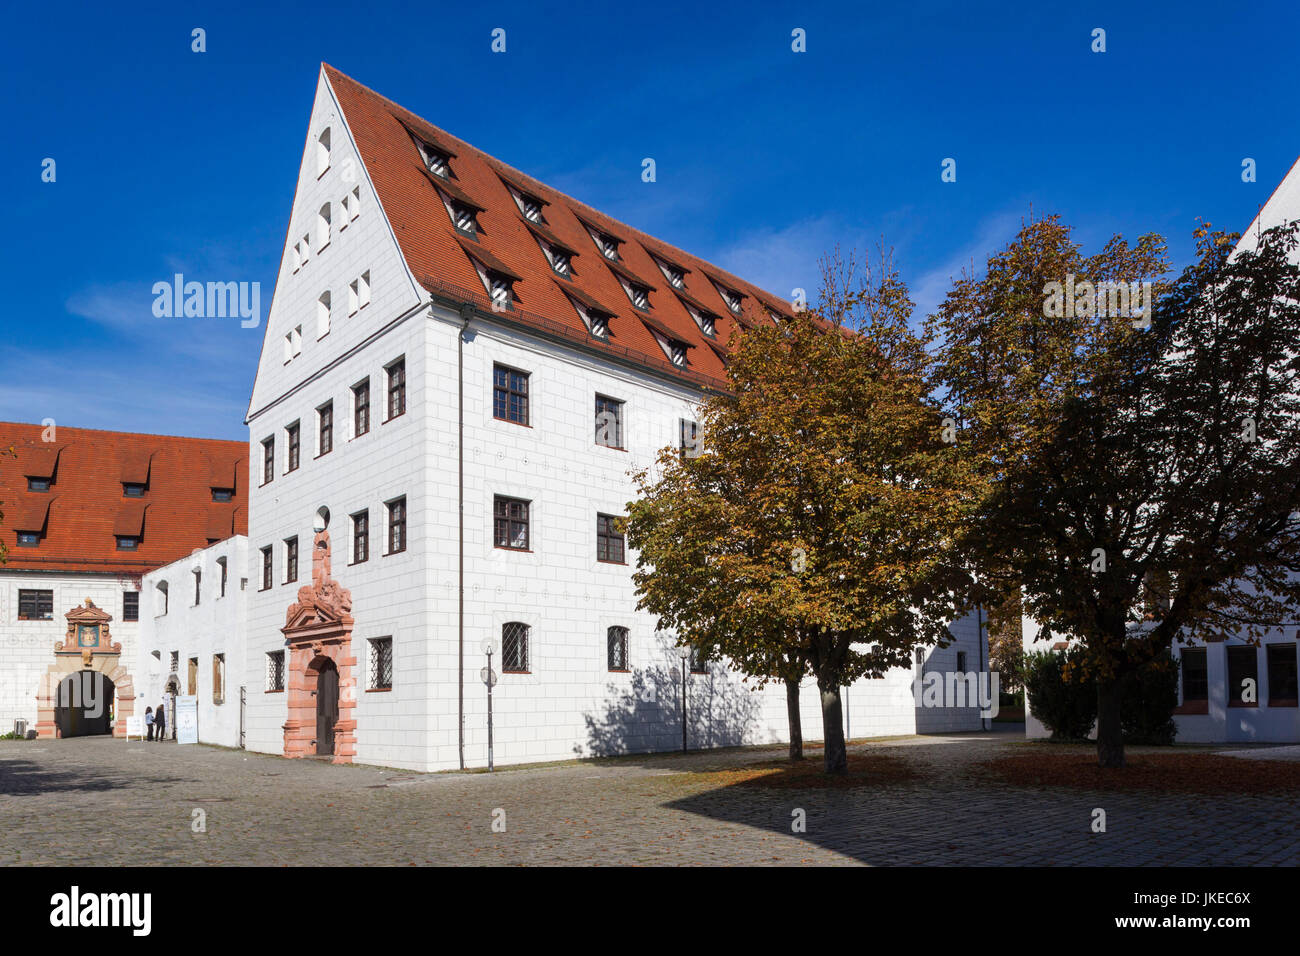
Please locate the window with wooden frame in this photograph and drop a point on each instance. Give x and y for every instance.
(325, 428)
(616, 648)
(609, 422)
(396, 388)
(268, 460)
(267, 579)
(35, 605)
(290, 559)
(510, 523)
(192, 677)
(514, 648)
(1281, 674)
(609, 539)
(293, 437)
(397, 526)
(1243, 676)
(361, 536)
(218, 678)
(360, 408)
(130, 605)
(509, 394)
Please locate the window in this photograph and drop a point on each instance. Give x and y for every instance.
(218, 678)
(500, 290)
(132, 489)
(322, 160)
(698, 666)
(1243, 677)
(514, 648)
(706, 323)
(223, 494)
(961, 662)
(268, 460)
(356, 202)
(296, 259)
(361, 536)
(464, 216)
(275, 671)
(510, 523)
(509, 394)
(130, 605)
(731, 297)
(221, 563)
(381, 663)
(38, 484)
(673, 274)
(609, 539)
(198, 590)
(290, 559)
(688, 438)
(35, 605)
(293, 344)
(29, 539)
(529, 206)
(127, 542)
(192, 674)
(267, 580)
(1281, 675)
(677, 353)
(397, 526)
(323, 315)
(1195, 677)
(323, 227)
(175, 662)
(599, 325)
(325, 428)
(397, 388)
(607, 244)
(616, 644)
(560, 260)
(609, 422)
(360, 408)
(436, 160)
(163, 600)
(639, 295)
(346, 205)
(294, 435)
(359, 292)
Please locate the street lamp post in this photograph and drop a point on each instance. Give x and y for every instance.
(489, 677)
(684, 652)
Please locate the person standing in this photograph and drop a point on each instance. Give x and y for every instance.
(160, 721)
(148, 721)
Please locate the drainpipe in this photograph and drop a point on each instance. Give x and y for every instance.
(466, 314)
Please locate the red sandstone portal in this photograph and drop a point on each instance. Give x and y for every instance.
(319, 628)
(87, 646)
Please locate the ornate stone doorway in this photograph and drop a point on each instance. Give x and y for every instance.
(318, 638)
(83, 704)
(86, 647)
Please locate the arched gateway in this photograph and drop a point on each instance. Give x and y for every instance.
(321, 688)
(87, 683)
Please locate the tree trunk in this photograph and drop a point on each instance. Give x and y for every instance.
(792, 712)
(1110, 733)
(833, 729)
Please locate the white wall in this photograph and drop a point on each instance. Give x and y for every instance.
(215, 625)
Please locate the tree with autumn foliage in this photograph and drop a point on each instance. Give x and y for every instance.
(816, 531)
(1143, 470)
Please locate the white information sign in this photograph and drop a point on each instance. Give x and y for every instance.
(187, 720)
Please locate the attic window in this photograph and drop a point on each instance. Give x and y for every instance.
(530, 207)
(127, 542)
(704, 320)
(501, 289)
(559, 260)
(639, 295)
(732, 298)
(323, 152)
(436, 161)
(464, 217)
(132, 489)
(223, 494)
(29, 539)
(599, 326)
(38, 484)
(677, 352)
(606, 243)
(674, 275)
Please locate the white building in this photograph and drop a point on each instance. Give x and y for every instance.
(461, 366)
(193, 640)
(86, 514)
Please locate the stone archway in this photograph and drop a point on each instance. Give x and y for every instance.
(319, 626)
(87, 646)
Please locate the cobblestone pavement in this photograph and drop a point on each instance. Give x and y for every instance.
(103, 801)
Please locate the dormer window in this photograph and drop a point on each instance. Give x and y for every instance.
(677, 353)
(639, 295)
(29, 539)
(132, 489)
(732, 299)
(464, 217)
(436, 161)
(500, 290)
(559, 261)
(223, 494)
(38, 484)
(675, 275)
(704, 320)
(608, 246)
(127, 542)
(593, 315)
(530, 207)
(599, 326)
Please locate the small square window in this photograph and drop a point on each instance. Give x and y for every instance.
(127, 542)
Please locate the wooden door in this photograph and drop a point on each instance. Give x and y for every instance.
(327, 707)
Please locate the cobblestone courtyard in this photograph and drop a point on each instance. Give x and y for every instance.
(103, 801)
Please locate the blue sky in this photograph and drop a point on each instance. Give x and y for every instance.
(173, 161)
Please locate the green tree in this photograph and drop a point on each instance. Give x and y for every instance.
(817, 531)
(1144, 471)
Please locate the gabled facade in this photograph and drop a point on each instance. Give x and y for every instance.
(454, 454)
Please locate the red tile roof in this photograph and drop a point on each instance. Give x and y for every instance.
(85, 509)
(383, 133)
